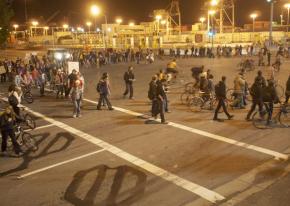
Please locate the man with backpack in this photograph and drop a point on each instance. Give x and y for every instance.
(103, 89)
(129, 78)
(220, 90)
(256, 92)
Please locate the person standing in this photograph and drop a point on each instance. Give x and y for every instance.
(129, 78)
(152, 95)
(7, 122)
(269, 57)
(220, 90)
(256, 92)
(103, 89)
(76, 95)
(161, 100)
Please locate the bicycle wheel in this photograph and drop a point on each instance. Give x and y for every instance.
(29, 121)
(280, 91)
(284, 118)
(28, 97)
(260, 122)
(196, 104)
(230, 95)
(29, 141)
(185, 98)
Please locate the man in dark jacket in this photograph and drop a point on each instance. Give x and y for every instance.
(129, 78)
(161, 99)
(152, 95)
(270, 97)
(287, 93)
(7, 122)
(103, 88)
(256, 92)
(220, 90)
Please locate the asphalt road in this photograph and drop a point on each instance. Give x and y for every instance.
(120, 158)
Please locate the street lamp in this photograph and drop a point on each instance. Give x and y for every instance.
(214, 2)
(119, 21)
(65, 27)
(15, 26)
(34, 24)
(287, 6)
(254, 16)
(202, 20)
(271, 20)
(89, 24)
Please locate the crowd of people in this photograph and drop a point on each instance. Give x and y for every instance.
(46, 73)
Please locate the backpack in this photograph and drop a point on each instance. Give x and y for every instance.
(151, 92)
(218, 89)
(98, 87)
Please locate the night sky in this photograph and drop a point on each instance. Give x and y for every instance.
(77, 11)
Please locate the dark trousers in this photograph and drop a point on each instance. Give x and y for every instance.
(3, 77)
(256, 103)
(104, 98)
(9, 133)
(287, 98)
(60, 90)
(154, 108)
(161, 109)
(129, 89)
(41, 90)
(269, 107)
(221, 104)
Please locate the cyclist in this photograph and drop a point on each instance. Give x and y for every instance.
(7, 124)
(172, 68)
(196, 72)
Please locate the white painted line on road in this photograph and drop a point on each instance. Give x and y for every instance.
(38, 128)
(201, 191)
(276, 155)
(58, 164)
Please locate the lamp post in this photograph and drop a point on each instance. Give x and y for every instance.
(34, 24)
(271, 21)
(202, 20)
(119, 21)
(15, 26)
(254, 16)
(287, 6)
(45, 30)
(89, 24)
(65, 27)
(96, 11)
(211, 14)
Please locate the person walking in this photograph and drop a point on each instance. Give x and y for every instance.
(76, 95)
(129, 78)
(161, 100)
(103, 89)
(152, 95)
(256, 92)
(287, 93)
(220, 90)
(7, 123)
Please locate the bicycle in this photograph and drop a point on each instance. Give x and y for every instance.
(203, 101)
(27, 95)
(23, 138)
(261, 121)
